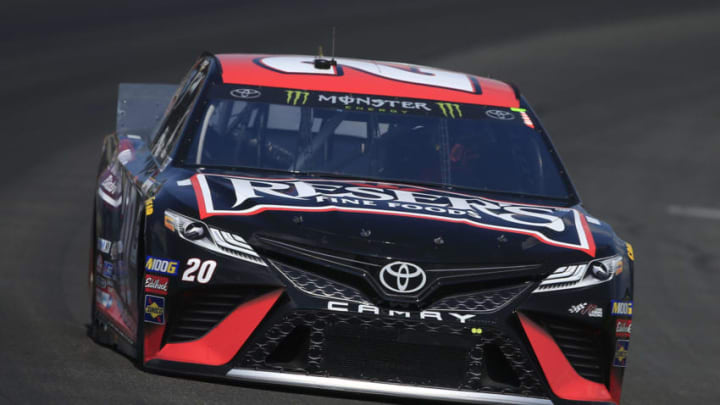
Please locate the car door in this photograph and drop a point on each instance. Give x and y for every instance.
(126, 190)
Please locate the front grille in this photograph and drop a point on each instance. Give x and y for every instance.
(315, 285)
(394, 350)
(582, 346)
(482, 301)
(352, 277)
(198, 311)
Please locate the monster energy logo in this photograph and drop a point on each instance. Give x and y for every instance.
(450, 110)
(294, 96)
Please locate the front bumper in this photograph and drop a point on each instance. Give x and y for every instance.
(386, 389)
(310, 331)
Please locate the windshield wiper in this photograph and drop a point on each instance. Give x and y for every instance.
(242, 169)
(514, 194)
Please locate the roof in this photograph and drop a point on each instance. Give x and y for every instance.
(360, 76)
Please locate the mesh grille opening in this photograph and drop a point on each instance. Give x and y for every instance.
(497, 367)
(198, 311)
(483, 301)
(396, 355)
(394, 350)
(291, 351)
(583, 346)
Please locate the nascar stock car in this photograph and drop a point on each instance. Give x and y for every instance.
(354, 225)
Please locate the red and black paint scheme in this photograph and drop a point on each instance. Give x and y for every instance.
(328, 279)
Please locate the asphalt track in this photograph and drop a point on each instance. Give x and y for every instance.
(629, 93)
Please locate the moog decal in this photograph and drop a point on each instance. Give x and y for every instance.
(232, 195)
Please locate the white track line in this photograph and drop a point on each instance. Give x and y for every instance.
(694, 212)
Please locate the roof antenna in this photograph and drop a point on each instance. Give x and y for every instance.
(332, 55)
(320, 62)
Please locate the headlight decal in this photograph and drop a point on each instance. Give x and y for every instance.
(215, 240)
(578, 275)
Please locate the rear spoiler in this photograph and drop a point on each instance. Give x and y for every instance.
(141, 106)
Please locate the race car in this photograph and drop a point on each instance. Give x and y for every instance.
(353, 225)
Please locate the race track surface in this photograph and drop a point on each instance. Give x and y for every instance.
(629, 91)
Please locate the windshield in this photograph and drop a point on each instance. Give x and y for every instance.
(466, 146)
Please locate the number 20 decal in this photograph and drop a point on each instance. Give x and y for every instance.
(204, 270)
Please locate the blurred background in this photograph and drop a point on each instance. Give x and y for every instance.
(629, 92)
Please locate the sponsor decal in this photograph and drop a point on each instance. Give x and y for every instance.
(169, 222)
(104, 298)
(150, 185)
(623, 328)
(556, 226)
(402, 277)
(500, 115)
(110, 184)
(373, 103)
(156, 284)
(149, 206)
(622, 308)
(295, 97)
(450, 110)
(341, 306)
(109, 190)
(154, 309)
(630, 252)
(99, 264)
(378, 104)
(108, 270)
(591, 310)
(116, 316)
(161, 266)
(528, 122)
(577, 308)
(117, 249)
(245, 94)
(101, 282)
(621, 353)
(104, 245)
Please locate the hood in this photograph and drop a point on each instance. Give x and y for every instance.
(393, 220)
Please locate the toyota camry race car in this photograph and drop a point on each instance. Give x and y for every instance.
(354, 225)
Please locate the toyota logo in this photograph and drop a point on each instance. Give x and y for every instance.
(245, 93)
(402, 277)
(500, 115)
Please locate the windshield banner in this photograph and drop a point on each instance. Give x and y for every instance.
(369, 103)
